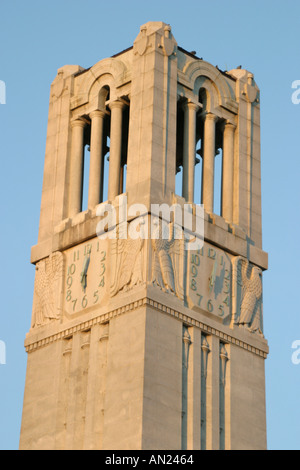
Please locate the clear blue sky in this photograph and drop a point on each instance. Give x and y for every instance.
(38, 37)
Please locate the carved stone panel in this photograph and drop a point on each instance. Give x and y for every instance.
(127, 259)
(247, 295)
(48, 290)
(168, 260)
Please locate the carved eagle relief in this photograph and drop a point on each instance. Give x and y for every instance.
(247, 294)
(167, 259)
(47, 290)
(126, 263)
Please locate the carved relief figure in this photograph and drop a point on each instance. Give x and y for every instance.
(167, 259)
(246, 294)
(47, 290)
(126, 262)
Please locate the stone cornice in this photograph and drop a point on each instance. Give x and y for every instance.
(217, 231)
(38, 338)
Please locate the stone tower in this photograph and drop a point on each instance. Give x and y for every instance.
(146, 332)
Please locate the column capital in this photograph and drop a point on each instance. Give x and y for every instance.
(229, 126)
(191, 105)
(118, 103)
(97, 113)
(210, 117)
(78, 122)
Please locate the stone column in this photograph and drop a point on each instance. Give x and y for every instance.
(189, 151)
(116, 108)
(227, 177)
(209, 161)
(76, 167)
(96, 159)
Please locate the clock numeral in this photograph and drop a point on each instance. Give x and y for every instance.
(103, 269)
(194, 270)
(227, 275)
(84, 301)
(221, 309)
(69, 296)
(96, 297)
(102, 282)
(71, 269)
(76, 255)
(210, 306)
(226, 301)
(227, 288)
(195, 260)
(199, 300)
(193, 284)
(87, 249)
(74, 304)
(103, 253)
(69, 281)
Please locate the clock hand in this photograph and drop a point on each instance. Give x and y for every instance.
(212, 277)
(83, 275)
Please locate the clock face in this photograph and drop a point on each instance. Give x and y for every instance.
(85, 276)
(209, 281)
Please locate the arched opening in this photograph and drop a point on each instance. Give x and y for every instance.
(218, 169)
(105, 95)
(179, 149)
(189, 134)
(94, 148)
(124, 148)
(218, 183)
(86, 166)
(198, 173)
(198, 197)
(115, 165)
(98, 164)
(105, 149)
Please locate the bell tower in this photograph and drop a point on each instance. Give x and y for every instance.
(147, 322)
